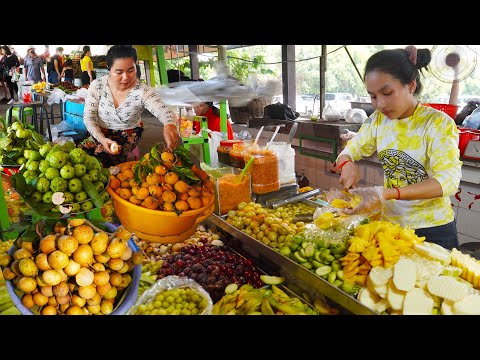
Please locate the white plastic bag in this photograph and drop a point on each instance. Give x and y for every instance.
(355, 116)
(213, 143)
(56, 96)
(331, 114)
(60, 128)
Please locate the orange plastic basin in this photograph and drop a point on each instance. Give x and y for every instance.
(158, 225)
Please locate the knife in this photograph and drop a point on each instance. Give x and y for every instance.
(293, 130)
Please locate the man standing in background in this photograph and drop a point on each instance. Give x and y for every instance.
(54, 68)
(33, 66)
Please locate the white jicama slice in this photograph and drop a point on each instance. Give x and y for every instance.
(394, 296)
(381, 305)
(405, 274)
(469, 305)
(381, 290)
(422, 284)
(417, 302)
(451, 270)
(380, 276)
(396, 312)
(370, 285)
(447, 287)
(368, 298)
(447, 307)
(434, 251)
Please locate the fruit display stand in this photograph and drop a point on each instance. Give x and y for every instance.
(299, 279)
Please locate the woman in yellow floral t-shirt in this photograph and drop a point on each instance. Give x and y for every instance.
(417, 146)
(86, 65)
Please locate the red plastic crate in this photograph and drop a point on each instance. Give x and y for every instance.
(450, 110)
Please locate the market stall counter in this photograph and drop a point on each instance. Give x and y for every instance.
(300, 279)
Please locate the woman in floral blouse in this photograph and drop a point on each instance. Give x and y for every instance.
(114, 106)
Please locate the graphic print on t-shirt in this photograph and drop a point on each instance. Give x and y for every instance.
(401, 169)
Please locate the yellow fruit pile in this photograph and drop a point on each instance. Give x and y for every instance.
(375, 244)
(76, 271)
(39, 86)
(161, 189)
(327, 220)
(343, 204)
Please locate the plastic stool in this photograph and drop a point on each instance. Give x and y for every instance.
(28, 111)
(203, 139)
(37, 123)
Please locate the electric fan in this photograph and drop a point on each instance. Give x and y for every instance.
(444, 59)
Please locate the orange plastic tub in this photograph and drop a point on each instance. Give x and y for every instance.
(158, 225)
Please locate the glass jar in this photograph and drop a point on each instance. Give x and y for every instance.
(265, 177)
(236, 156)
(231, 190)
(224, 151)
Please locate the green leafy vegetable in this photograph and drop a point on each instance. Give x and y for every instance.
(184, 155)
(186, 174)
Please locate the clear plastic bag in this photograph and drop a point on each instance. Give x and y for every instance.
(56, 96)
(169, 283)
(331, 114)
(213, 143)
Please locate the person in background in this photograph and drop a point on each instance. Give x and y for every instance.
(3, 84)
(67, 71)
(114, 106)
(139, 71)
(416, 144)
(9, 65)
(212, 114)
(86, 66)
(33, 66)
(20, 58)
(54, 68)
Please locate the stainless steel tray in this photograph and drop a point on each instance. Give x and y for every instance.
(299, 279)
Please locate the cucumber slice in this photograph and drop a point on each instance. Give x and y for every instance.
(272, 280)
(323, 270)
(231, 288)
(299, 257)
(307, 265)
(309, 250)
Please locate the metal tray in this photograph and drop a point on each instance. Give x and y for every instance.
(299, 279)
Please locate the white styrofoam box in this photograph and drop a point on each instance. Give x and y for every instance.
(470, 196)
(455, 210)
(468, 222)
(462, 239)
(470, 174)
